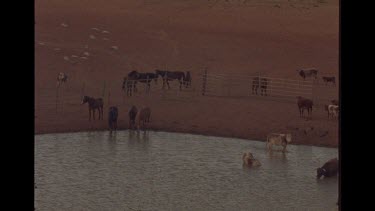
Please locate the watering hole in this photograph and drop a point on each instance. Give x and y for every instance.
(170, 171)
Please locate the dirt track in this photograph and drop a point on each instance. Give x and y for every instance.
(225, 38)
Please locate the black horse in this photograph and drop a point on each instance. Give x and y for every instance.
(134, 77)
(171, 75)
(132, 114)
(112, 118)
(93, 105)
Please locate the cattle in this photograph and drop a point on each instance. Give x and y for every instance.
(329, 169)
(61, 78)
(329, 79)
(304, 103)
(309, 72)
(94, 104)
(278, 139)
(249, 160)
(333, 111)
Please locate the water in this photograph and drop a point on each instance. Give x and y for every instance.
(171, 171)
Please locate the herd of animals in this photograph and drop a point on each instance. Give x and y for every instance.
(138, 117)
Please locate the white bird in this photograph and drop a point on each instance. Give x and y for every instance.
(64, 25)
(114, 47)
(92, 36)
(86, 53)
(105, 32)
(96, 29)
(66, 58)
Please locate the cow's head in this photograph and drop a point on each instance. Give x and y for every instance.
(320, 172)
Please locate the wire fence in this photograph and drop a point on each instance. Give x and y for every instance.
(250, 86)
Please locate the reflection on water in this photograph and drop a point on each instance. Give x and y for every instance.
(146, 170)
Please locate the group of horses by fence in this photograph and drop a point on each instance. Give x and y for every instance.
(129, 84)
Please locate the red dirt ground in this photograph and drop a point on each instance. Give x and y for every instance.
(185, 35)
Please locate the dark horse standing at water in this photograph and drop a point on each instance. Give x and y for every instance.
(93, 105)
(112, 118)
(169, 76)
(132, 114)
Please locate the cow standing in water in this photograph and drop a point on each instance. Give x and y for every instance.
(329, 169)
(143, 116)
(112, 118)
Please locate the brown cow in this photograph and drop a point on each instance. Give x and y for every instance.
(143, 115)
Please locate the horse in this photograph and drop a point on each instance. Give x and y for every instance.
(112, 118)
(147, 78)
(61, 78)
(187, 79)
(93, 105)
(262, 83)
(132, 114)
(171, 75)
(143, 115)
(303, 104)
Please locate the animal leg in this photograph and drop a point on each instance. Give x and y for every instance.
(89, 114)
(93, 113)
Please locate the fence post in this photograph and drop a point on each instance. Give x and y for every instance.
(204, 82)
(57, 98)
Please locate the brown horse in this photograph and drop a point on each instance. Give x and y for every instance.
(303, 104)
(143, 115)
(93, 105)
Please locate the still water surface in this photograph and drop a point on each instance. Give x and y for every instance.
(171, 171)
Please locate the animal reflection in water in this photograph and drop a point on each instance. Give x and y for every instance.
(278, 139)
(249, 160)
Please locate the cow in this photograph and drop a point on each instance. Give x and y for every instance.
(61, 78)
(249, 160)
(309, 72)
(132, 114)
(329, 79)
(304, 103)
(278, 139)
(329, 169)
